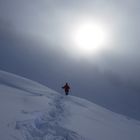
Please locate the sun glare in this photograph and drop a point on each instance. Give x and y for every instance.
(89, 36)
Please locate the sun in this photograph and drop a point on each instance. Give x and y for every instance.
(89, 36)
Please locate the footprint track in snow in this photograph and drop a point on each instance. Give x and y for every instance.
(46, 126)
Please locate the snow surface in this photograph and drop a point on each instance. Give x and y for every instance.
(31, 111)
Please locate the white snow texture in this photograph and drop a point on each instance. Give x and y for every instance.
(31, 111)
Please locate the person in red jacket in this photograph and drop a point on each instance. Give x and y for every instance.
(66, 88)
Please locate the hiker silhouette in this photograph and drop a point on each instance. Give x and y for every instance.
(66, 88)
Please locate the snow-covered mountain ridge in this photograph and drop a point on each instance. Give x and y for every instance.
(31, 111)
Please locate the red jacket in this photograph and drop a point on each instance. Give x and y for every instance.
(66, 87)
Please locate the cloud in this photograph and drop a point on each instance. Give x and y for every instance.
(109, 78)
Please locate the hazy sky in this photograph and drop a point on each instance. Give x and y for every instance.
(35, 43)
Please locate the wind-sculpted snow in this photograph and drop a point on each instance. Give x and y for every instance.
(31, 111)
(24, 84)
(47, 126)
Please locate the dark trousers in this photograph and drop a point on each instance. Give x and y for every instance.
(66, 92)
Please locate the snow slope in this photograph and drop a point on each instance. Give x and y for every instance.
(31, 111)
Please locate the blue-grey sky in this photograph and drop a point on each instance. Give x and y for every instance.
(34, 43)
